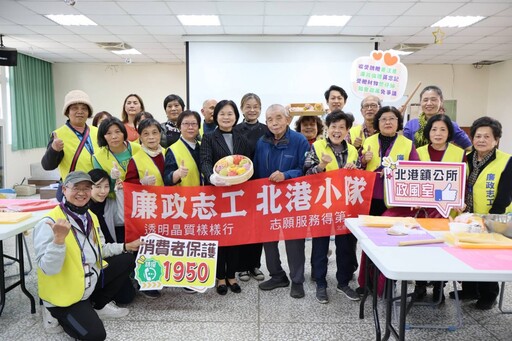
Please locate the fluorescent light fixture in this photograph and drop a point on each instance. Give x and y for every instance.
(458, 21)
(199, 20)
(129, 51)
(401, 53)
(328, 20)
(71, 20)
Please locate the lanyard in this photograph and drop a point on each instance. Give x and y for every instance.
(80, 136)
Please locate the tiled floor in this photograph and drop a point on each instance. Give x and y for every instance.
(256, 315)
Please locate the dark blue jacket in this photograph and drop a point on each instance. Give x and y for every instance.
(287, 155)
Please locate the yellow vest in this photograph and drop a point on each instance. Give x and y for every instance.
(68, 286)
(106, 159)
(144, 162)
(486, 185)
(400, 150)
(321, 147)
(71, 143)
(451, 154)
(182, 153)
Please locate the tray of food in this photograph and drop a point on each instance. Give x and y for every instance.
(306, 109)
(234, 169)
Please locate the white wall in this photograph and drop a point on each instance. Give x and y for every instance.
(108, 85)
(461, 82)
(498, 101)
(478, 92)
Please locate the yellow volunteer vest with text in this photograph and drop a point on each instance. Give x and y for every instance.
(144, 162)
(71, 143)
(486, 185)
(400, 150)
(68, 286)
(321, 147)
(182, 153)
(106, 159)
(451, 154)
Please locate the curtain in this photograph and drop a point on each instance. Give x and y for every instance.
(32, 103)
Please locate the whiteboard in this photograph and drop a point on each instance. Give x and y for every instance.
(278, 72)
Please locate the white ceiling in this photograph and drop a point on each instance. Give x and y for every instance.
(152, 27)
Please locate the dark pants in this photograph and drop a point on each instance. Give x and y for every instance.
(296, 259)
(227, 261)
(487, 290)
(250, 256)
(80, 320)
(346, 260)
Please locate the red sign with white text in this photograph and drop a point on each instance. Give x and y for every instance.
(253, 212)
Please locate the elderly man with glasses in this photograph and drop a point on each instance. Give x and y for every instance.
(357, 134)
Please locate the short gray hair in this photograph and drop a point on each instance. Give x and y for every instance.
(372, 96)
(278, 107)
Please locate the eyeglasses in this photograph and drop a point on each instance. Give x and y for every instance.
(391, 119)
(368, 106)
(189, 124)
(79, 189)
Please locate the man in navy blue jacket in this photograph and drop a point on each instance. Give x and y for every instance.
(279, 156)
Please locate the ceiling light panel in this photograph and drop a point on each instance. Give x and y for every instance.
(199, 20)
(71, 20)
(328, 20)
(457, 21)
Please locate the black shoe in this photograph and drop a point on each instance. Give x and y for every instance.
(464, 295)
(234, 287)
(274, 283)
(360, 291)
(222, 289)
(420, 291)
(485, 304)
(435, 297)
(297, 290)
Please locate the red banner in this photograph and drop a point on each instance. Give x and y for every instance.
(253, 212)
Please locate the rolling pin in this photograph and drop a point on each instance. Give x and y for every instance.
(421, 242)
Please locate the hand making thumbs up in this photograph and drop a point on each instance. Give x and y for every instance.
(183, 170)
(114, 172)
(324, 161)
(148, 180)
(57, 144)
(358, 140)
(368, 155)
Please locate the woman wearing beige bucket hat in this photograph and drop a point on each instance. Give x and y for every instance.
(72, 145)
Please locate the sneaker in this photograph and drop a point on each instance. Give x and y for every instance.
(274, 283)
(321, 295)
(297, 290)
(151, 294)
(257, 274)
(112, 311)
(351, 294)
(51, 324)
(244, 276)
(189, 291)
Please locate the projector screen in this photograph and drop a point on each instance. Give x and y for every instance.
(277, 72)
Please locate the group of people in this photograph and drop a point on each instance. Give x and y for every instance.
(77, 239)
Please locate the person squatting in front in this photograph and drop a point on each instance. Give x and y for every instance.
(78, 273)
